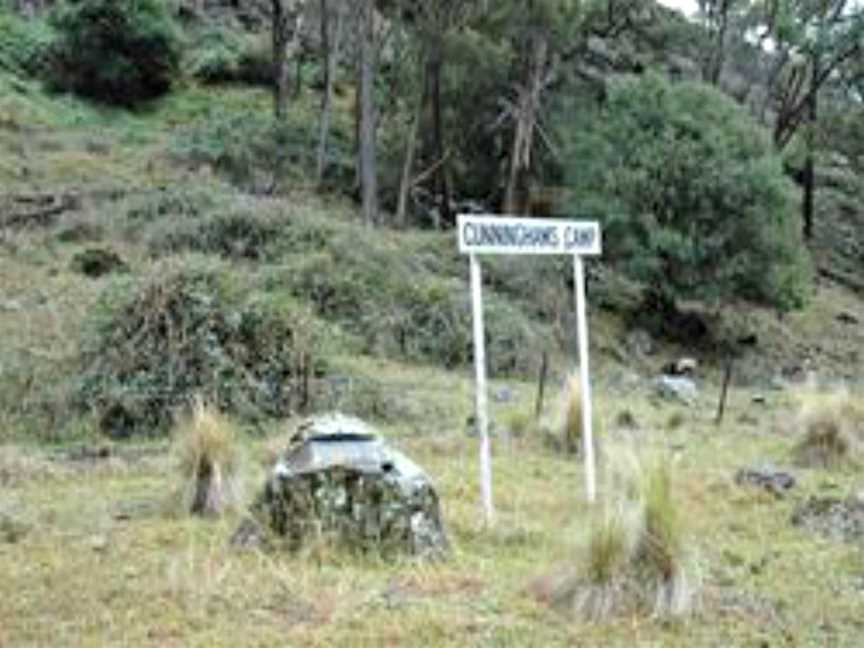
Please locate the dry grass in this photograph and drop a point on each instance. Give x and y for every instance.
(571, 417)
(518, 422)
(661, 553)
(19, 465)
(831, 427)
(634, 561)
(210, 462)
(148, 580)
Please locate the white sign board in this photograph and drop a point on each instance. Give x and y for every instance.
(508, 235)
(489, 234)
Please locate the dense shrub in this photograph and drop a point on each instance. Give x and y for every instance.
(230, 235)
(172, 203)
(251, 151)
(239, 230)
(223, 53)
(397, 308)
(195, 329)
(116, 51)
(691, 195)
(24, 44)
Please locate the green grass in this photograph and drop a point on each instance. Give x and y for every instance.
(95, 560)
(144, 578)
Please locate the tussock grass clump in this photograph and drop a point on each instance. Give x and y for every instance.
(571, 419)
(635, 558)
(209, 459)
(518, 422)
(832, 428)
(660, 552)
(570, 426)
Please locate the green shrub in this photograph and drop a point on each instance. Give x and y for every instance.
(251, 151)
(170, 202)
(692, 197)
(233, 235)
(226, 53)
(116, 51)
(396, 308)
(24, 44)
(239, 231)
(198, 328)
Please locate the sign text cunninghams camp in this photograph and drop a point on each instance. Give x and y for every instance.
(507, 235)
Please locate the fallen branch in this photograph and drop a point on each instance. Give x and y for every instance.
(41, 209)
(843, 279)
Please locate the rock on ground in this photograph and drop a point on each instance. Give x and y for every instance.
(840, 519)
(342, 482)
(677, 388)
(771, 479)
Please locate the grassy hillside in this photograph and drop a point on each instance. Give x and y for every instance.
(92, 555)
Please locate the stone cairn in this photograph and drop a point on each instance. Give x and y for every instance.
(339, 481)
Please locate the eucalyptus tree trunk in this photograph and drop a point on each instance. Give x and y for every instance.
(718, 18)
(286, 24)
(434, 64)
(330, 47)
(807, 206)
(526, 113)
(367, 160)
(407, 181)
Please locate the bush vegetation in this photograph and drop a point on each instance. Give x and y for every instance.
(118, 52)
(225, 53)
(398, 297)
(396, 308)
(251, 150)
(692, 197)
(194, 329)
(24, 44)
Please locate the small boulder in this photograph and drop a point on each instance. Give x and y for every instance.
(776, 482)
(503, 395)
(838, 519)
(341, 481)
(677, 388)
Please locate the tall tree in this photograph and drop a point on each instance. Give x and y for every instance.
(366, 150)
(332, 24)
(286, 23)
(431, 22)
(723, 21)
(539, 30)
(813, 39)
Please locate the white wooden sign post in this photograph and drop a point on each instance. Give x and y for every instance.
(489, 234)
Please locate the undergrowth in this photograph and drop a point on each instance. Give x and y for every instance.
(193, 329)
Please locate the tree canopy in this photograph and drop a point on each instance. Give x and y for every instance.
(690, 192)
